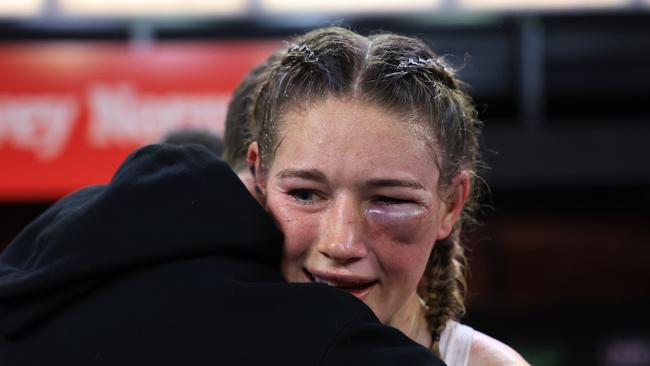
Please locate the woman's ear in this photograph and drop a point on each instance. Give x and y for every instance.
(458, 193)
(255, 166)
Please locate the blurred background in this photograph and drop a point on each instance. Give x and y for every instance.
(560, 267)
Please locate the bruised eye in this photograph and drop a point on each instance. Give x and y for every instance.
(385, 200)
(304, 196)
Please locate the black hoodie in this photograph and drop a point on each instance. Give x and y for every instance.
(173, 262)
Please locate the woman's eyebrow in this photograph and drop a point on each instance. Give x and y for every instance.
(390, 182)
(309, 174)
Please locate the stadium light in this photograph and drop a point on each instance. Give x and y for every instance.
(20, 8)
(538, 4)
(152, 7)
(346, 6)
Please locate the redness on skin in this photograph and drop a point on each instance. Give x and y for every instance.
(401, 221)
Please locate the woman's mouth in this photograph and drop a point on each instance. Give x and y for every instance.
(356, 285)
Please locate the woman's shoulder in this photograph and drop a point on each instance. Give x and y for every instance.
(488, 351)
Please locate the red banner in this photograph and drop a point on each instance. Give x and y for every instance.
(71, 112)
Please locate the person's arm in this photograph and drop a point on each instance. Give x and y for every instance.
(366, 342)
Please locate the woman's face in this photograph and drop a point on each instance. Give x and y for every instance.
(353, 188)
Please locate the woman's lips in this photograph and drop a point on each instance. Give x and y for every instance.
(356, 285)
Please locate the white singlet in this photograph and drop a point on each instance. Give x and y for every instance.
(455, 342)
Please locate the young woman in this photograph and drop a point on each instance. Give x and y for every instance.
(365, 154)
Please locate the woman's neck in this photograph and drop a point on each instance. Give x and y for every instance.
(411, 320)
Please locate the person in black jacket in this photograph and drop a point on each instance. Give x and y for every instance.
(172, 263)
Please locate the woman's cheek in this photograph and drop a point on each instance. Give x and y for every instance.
(404, 223)
(297, 243)
(299, 231)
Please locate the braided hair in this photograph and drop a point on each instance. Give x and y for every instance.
(405, 75)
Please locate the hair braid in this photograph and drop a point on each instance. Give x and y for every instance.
(444, 286)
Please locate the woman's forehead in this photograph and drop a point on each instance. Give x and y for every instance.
(339, 125)
(336, 135)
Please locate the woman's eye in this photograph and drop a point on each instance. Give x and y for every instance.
(303, 195)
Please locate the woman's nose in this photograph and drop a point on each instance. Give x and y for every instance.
(341, 232)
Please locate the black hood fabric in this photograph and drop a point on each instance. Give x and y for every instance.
(171, 193)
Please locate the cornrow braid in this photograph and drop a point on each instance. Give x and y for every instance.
(444, 287)
(313, 65)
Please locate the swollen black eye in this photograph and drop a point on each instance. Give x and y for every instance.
(390, 200)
